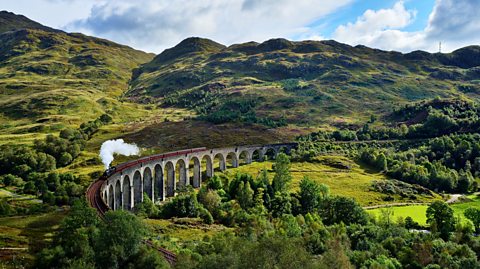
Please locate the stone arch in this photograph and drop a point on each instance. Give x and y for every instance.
(221, 161)
(244, 157)
(181, 173)
(127, 193)
(257, 155)
(195, 166)
(270, 154)
(208, 164)
(118, 195)
(232, 159)
(148, 182)
(137, 188)
(170, 171)
(159, 183)
(111, 197)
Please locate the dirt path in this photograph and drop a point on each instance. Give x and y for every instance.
(453, 198)
(393, 204)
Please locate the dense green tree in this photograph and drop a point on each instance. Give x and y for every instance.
(282, 177)
(339, 209)
(245, 195)
(146, 208)
(29, 188)
(288, 226)
(441, 219)
(281, 204)
(210, 199)
(147, 258)
(473, 214)
(410, 223)
(465, 181)
(310, 195)
(65, 159)
(182, 205)
(73, 242)
(381, 162)
(215, 183)
(119, 239)
(336, 255)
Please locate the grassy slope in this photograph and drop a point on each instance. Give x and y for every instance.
(353, 183)
(342, 84)
(167, 136)
(50, 79)
(31, 232)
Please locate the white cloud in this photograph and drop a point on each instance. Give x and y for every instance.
(154, 25)
(380, 29)
(454, 23)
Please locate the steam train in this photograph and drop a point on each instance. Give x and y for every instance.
(119, 168)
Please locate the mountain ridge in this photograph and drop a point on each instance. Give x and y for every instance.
(10, 21)
(330, 76)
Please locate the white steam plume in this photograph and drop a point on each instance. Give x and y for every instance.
(118, 146)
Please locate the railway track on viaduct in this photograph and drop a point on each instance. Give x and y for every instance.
(123, 186)
(93, 195)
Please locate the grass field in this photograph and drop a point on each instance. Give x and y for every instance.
(354, 182)
(418, 212)
(459, 208)
(27, 235)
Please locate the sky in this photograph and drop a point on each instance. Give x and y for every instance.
(154, 25)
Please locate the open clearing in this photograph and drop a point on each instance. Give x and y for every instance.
(354, 181)
(418, 212)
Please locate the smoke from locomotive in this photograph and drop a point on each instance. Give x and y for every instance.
(118, 146)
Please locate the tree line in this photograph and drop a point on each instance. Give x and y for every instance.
(32, 169)
(273, 227)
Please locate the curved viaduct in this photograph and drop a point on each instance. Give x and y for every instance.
(159, 176)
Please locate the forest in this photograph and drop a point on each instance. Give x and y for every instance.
(272, 227)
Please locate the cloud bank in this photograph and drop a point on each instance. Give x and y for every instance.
(154, 25)
(455, 23)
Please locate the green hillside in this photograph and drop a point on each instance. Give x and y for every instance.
(306, 83)
(49, 78)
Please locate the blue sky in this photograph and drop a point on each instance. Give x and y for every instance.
(154, 25)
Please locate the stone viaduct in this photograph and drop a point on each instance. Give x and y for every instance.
(159, 176)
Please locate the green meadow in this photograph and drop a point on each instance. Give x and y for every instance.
(418, 212)
(355, 181)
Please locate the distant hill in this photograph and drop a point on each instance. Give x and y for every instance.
(50, 79)
(55, 78)
(304, 83)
